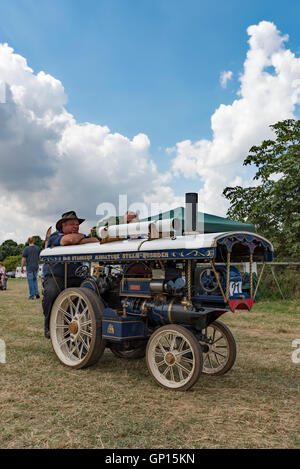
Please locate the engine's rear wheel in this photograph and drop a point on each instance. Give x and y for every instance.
(76, 327)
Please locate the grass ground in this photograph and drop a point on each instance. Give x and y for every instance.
(116, 404)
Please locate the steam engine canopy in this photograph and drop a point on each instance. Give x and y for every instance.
(241, 245)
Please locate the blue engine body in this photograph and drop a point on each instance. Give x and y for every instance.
(207, 289)
(117, 328)
(145, 303)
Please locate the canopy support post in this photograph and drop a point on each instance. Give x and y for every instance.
(259, 279)
(218, 281)
(227, 276)
(250, 274)
(53, 276)
(66, 275)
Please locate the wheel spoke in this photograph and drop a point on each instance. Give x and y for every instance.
(184, 352)
(86, 323)
(63, 342)
(71, 352)
(210, 364)
(181, 367)
(72, 307)
(217, 360)
(158, 364)
(187, 360)
(173, 343)
(65, 313)
(180, 373)
(88, 334)
(83, 341)
(62, 326)
(218, 353)
(163, 350)
(83, 312)
(181, 344)
(166, 371)
(77, 311)
(206, 355)
(168, 340)
(172, 373)
(221, 337)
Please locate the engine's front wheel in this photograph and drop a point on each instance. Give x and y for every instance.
(220, 349)
(174, 357)
(76, 327)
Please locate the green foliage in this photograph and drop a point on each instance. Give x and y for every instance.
(12, 262)
(10, 248)
(93, 232)
(273, 205)
(288, 278)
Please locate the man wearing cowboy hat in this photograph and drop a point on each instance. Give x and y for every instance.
(53, 282)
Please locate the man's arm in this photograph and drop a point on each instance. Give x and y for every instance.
(74, 238)
(89, 240)
(22, 264)
(24, 258)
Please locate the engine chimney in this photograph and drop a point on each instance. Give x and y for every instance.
(191, 213)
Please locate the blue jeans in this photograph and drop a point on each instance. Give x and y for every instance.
(32, 283)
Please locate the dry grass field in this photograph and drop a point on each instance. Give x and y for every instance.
(116, 404)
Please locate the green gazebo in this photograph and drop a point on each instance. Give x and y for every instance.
(207, 223)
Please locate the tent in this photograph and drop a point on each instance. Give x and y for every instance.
(207, 223)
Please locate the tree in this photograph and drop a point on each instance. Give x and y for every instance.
(273, 205)
(11, 263)
(10, 248)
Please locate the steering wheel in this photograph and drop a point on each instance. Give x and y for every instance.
(208, 281)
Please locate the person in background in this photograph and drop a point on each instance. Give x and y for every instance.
(53, 279)
(131, 217)
(2, 276)
(48, 234)
(30, 255)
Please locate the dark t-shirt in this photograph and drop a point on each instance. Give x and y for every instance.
(31, 254)
(59, 269)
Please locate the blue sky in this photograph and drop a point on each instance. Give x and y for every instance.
(149, 66)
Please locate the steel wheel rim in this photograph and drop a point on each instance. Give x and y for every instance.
(216, 358)
(72, 331)
(172, 359)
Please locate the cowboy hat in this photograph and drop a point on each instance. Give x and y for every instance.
(68, 216)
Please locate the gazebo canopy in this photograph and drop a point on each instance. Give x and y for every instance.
(207, 223)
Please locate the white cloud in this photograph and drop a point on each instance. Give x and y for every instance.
(264, 98)
(225, 77)
(50, 163)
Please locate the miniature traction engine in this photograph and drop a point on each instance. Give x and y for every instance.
(156, 293)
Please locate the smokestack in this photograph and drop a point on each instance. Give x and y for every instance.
(191, 213)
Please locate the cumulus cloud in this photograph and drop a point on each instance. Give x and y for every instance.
(269, 91)
(225, 77)
(50, 163)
